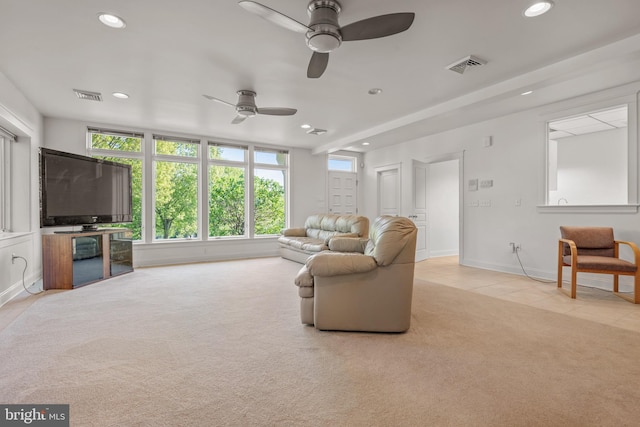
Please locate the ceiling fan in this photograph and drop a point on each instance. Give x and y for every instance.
(246, 107)
(324, 34)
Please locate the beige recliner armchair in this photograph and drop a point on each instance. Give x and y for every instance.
(362, 285)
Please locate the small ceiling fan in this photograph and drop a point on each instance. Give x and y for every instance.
(324, 34)
(246, 107)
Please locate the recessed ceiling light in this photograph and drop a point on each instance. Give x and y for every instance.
(537, 8)
(529, 92)
(112, 21)
(120, 95)
(305, 126)
(375, 91)
(366, 143)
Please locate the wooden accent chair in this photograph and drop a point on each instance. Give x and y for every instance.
(594, 250)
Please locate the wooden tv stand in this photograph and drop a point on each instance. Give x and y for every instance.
(74, 259)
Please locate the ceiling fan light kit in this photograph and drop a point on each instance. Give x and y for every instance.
(246, 107)
(324, 34)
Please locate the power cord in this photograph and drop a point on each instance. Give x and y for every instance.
(517, 252)
(13, 257)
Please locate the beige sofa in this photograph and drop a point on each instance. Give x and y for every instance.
(368, 289)
(297, 244)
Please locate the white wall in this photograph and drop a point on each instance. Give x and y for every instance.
(307, 197)
(592, 169)
(516, 164)
(442, 202)
(21, 118)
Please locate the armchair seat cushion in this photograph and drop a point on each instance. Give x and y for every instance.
(590, 262)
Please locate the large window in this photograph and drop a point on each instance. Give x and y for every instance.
(269, 190)
(227, 190)
(123, 147)
(184, 189)
(176, 168)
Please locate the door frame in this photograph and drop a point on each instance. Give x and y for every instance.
(459, 156)
(379, 170)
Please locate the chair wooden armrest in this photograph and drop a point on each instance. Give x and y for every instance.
(634, 248)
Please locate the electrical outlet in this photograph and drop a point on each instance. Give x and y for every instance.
(515, 247)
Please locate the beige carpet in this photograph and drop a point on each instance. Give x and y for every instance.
(221, 344)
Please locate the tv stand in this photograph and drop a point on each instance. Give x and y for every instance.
(74, 259)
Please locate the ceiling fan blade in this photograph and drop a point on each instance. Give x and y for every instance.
(317, 65)
(274, 111)
(219, 100)
(378, 26)
(274, 16)
(238, 119)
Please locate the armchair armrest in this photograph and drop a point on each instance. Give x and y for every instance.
(572, 247)
(634, 248)
(294, 232)
(348, 244)
(329, 263)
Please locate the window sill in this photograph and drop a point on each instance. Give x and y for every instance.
(621, 209)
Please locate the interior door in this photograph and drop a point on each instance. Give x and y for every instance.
(343, 193)
(389, 191)
(419, 209)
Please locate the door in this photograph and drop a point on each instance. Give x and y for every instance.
(343, 193)
(419, 209)
(389, 190)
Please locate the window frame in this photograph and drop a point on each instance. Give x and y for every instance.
(155, 157)
(633, 162)
(229, 163)
(135, 155)
(285, 168)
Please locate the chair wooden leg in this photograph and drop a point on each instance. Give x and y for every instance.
(636, 288)
(615, 283)
(574, 280)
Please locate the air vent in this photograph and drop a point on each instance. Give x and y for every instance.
(316, 131)
(89, 96)
(470, 61)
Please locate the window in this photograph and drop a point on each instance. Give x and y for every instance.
(269, 190)
(590, 157)
(342, 163)
(184, 190)
(123, 147)
(176, 172)
(6, 139)
(227, 190)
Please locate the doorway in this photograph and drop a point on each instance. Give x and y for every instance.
(436, 206)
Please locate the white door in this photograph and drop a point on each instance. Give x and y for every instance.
(419, 209)
(389, 191)
(343, 193)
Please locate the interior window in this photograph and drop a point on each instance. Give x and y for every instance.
(588, 158)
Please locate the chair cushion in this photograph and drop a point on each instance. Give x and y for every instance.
(593, 241)
(588, 262)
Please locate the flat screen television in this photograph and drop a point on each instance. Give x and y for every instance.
(81, 190)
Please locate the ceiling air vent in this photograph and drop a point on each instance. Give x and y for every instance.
(470, 61)
(316, 131)
(90, 96)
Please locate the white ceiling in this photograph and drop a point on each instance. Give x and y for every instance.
(172, 52)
